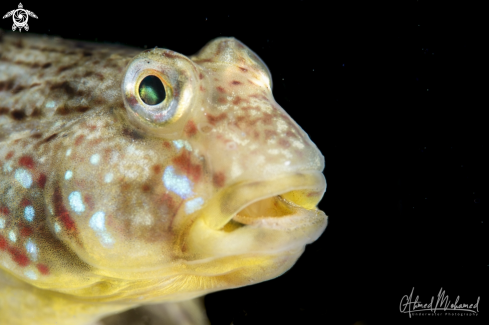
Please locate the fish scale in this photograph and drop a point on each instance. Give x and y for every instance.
(107, 202)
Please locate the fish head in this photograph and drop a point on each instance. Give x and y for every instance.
(196, 180)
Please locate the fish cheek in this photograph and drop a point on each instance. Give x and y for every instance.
(118, 219)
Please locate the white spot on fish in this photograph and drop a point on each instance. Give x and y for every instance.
(68, 174)
(51, 104)
(2, 223)
(179, 144)
(57, 227)
(106, 239)
(29, 213)
(177, 183)
(23, 177)
(31, 249)
(30, 274)
(12, 236)
(297, 144)
(7, 168)
(109, 177)
(193, 205)
(76, 202)
(235, 170)
(281, 126)
(94, 159)
(68, 152)
(97, 221)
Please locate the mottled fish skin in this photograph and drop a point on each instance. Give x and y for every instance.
(103, 209)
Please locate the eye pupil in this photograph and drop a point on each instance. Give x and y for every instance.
(151, 90)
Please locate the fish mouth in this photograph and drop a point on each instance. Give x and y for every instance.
(265, 217)
(284, 202)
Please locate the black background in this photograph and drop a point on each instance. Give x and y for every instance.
(391, 95)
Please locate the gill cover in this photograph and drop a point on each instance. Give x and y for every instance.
(158, 89)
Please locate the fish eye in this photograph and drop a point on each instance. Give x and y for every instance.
(158, 90)
(151, 90)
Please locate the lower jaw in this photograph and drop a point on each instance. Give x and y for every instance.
(242, 270)
(259, 239)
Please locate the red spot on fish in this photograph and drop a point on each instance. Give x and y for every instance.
(25, 202)
(219, 179)
(132, 100)
(235, 82)
(157, 169)
(167, 200)
(202, 88)
(89, 201)
(190, 129)
(61, 211)
(291, 134)
(237, 100)
(267, 118)
(201, 76)
(20, 258)
(220, 89)
(125, 187)
(4, 210)
(284, 143)
(44, 269)
(9, 155)
(222, 100)
(41, 180)
(243, 69)
(167, 145)
(146, 188)
(269, 134)
(26, 231)
(214, 119)
(79, 140)
(26, 161)
(94, 142)
(240, 119)
(183, 163)
(3, 243)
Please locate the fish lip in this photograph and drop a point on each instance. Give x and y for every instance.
(291, 189)
(299, 218)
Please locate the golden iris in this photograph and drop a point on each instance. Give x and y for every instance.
(152, 91)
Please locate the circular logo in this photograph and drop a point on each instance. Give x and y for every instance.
(20, 18)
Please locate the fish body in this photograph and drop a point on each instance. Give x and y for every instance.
(132, 177)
